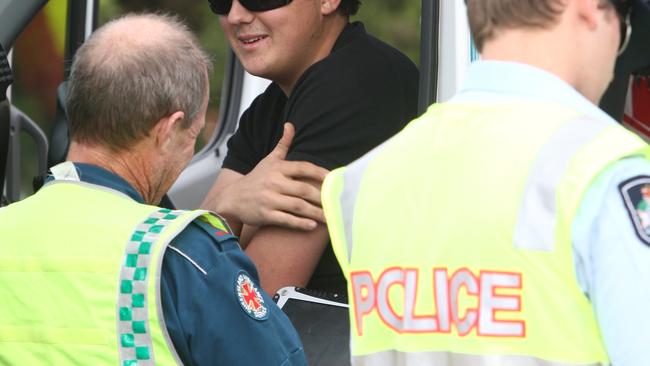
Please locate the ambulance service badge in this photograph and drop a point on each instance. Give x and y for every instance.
(250, 298)
(636, 197)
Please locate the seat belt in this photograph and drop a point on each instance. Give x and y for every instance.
(6, 78)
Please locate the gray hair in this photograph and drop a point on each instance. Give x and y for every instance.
(129, 74)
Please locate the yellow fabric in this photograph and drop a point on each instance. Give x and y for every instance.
(60, 259)
(445, 194)
(216, 222)
(56, 15)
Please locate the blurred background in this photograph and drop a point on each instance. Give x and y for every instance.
(39, 67)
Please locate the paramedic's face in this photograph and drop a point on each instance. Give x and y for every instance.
(184, 142)
(278, 44)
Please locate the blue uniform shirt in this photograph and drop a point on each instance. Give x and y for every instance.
(612, 259)
(202, 312)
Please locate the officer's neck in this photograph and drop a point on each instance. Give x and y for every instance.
(540, 49)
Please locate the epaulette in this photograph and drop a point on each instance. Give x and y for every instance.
(215, 226)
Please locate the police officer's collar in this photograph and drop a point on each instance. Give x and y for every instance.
(504, 80)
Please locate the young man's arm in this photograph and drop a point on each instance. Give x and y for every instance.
(286, 257)
(275, 192)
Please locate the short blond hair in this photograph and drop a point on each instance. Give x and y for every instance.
(487, 17)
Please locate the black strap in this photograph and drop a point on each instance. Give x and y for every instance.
(4, 145)
(6, 79)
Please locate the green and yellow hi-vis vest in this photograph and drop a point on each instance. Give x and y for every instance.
(80, 277)
(455, 237)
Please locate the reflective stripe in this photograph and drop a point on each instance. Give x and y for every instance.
(351, 183)
(162, 247)
(396, 358)
(133, 329)
(535, 229)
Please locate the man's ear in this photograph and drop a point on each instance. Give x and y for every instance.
(588, 11)
(166, 128)
(328, 7)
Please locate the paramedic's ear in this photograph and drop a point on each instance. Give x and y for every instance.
(165, 129)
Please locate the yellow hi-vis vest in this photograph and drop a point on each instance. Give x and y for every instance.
(80, 278)
(455, 237)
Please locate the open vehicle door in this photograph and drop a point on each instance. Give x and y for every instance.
(14, 17)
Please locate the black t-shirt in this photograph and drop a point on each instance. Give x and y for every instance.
(363, 93)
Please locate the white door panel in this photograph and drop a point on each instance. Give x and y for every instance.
(455, 48)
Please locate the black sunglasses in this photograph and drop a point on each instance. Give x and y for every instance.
(222, 7)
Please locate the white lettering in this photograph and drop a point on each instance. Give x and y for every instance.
(465, 278)
(363, 304)
(369, 296)
(491, 303)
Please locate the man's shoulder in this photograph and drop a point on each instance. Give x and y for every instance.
(268, 106)
(204, 242)
(271, 98)
(362, 50)
(360, 66)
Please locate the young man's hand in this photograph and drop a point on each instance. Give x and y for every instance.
(276, 192)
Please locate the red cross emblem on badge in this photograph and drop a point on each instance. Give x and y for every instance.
(250, 298)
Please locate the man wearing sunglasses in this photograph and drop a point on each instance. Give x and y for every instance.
(343, 91)
(549, 262)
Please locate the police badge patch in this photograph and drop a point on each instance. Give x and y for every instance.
(636, 198)
(250, 298)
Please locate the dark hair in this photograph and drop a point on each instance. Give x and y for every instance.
(122, 83)
(349, 7)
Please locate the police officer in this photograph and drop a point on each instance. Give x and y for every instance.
(93, 273)
(501, 227)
